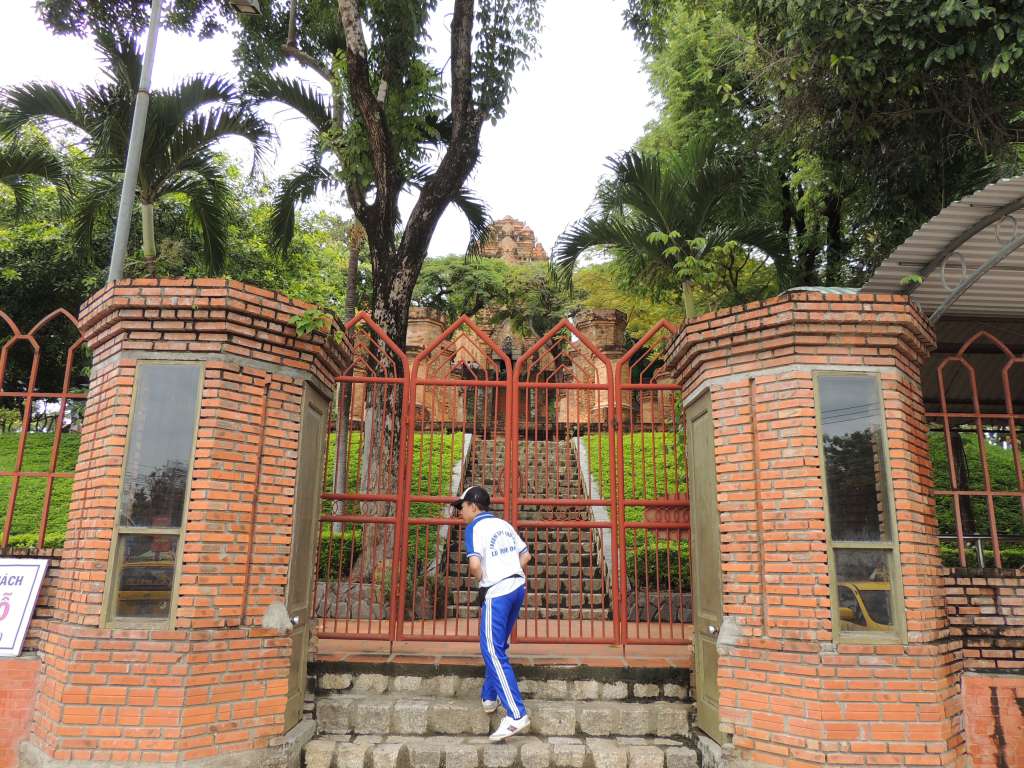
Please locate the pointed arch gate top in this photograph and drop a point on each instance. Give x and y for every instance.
(580, 447)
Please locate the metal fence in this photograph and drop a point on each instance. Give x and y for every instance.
(976, 429)
(581, 449)
(43, 388)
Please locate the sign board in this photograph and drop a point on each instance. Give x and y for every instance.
(20, 580)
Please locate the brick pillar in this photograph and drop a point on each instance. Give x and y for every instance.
(214, 683)
(790, 694)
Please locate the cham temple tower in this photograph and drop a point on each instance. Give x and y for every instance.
(567, 357)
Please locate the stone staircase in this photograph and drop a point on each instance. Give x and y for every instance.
(430, 717)
(566, 576)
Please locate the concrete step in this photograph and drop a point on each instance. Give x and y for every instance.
(563, 683)
(569, 575)
(526, 751)
(537, 583)
(396, 715)
(539, 599)
(566, 614)
(548, 548)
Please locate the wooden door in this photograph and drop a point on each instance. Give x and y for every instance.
(705, 561)
(313, 433)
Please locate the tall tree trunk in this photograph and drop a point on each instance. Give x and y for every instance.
(356, 234)
(689, 305)
(148, 239)
(836, 249)
(382, 420)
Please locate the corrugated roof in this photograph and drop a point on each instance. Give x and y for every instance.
(953, 244)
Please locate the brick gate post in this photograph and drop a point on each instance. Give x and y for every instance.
(179, 534)
(809, 675)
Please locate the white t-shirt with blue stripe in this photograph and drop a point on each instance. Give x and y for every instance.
(498, 546)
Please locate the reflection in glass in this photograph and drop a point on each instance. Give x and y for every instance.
(145, 575)
(160, 446)
(864, 589)
(851, 425)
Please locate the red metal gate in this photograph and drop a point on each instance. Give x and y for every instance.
(582, 453)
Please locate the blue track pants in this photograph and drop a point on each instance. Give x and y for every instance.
(497, 620)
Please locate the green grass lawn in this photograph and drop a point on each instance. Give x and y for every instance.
(433, 460)
(654, 466)
(1008, 514)
(32, 490)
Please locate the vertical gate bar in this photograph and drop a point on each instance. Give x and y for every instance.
(1014, 436)
(983, 454)
(406, 447)
(953, 474)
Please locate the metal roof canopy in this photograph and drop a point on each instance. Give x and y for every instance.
(970, 256)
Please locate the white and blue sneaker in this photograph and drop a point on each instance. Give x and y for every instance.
(489, 706)
(510, 727)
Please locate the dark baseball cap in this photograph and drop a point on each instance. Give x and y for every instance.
(475, 495)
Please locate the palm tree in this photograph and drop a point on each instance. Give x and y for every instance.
(672, 223)
(182, 126)
(23, 163)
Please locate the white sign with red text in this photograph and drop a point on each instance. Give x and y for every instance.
(20, 580)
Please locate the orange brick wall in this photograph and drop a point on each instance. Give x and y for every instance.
(217, 681)
(986, 609)
(995, 720)
(790, 696)
(18, 680)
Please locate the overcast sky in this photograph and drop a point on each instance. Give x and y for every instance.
(584, 98)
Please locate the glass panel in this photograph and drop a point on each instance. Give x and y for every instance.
(160, 446)
(144, 576)
(864, 590)
(851, 425)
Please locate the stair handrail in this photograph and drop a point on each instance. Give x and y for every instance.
(600, 513)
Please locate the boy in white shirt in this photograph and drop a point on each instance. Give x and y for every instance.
(497, 557)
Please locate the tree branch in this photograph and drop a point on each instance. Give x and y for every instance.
(385, 165)
(291, 52)
(462, 65)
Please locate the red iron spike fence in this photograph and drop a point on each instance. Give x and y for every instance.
(544, 433)
(655, 507)
(37, 399)
(980, 423)
(359, 539)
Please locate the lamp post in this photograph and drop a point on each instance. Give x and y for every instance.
(246, 7)
(131, 166)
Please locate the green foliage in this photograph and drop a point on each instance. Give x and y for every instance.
(524, 295)
(28, 507)
(460, 285)
(434, 457)
(183, 124)
(867, 118)
(1012, 556)
(1002, 474)
(676, 221)
(653, 466)
(603, 286)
